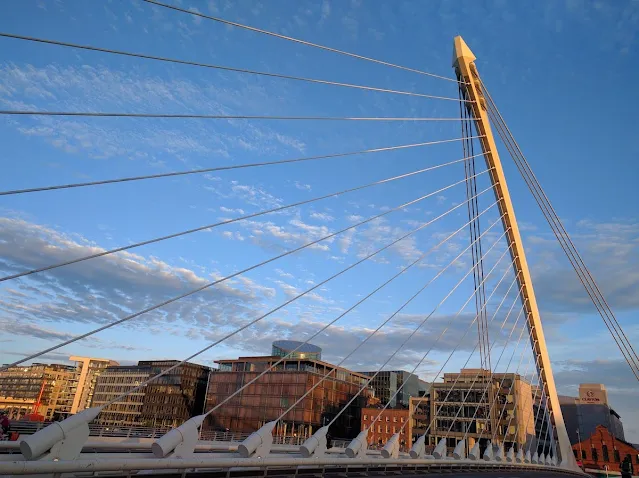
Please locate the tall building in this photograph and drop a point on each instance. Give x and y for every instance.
(590, 409)
(39, 389)
(88, 370)
(175, 397)
(279, 389)
(390, 421)
(476, 405)
(113, 382)
(386, 383)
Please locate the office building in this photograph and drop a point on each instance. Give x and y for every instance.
(383, 424)
(387, 383)
(476, 405)
(113, 382)
(167, 401)
(38, 391)
(172, 399)
(279, 389)
(590, 409)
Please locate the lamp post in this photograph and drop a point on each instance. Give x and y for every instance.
(581, 453)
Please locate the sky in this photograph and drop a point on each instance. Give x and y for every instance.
(556, 70)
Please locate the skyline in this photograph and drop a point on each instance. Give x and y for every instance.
(534, 82)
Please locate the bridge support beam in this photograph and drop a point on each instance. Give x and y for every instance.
(63, 439)
(463, 62)
(419, 448)
(315, 445)
(180, 440)
(258, 444)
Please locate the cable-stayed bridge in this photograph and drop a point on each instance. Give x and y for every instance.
(480, 432)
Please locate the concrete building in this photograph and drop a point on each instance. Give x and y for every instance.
(279, 389)
(390, 421)
(88, 370)
(113, 382)
(419, 412)
(386, 384)
(583, 414)
(40, 389)
(460, 406)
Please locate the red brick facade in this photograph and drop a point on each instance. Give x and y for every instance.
(391, 422)
(602, 449)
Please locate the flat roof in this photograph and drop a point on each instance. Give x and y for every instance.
(275, 358)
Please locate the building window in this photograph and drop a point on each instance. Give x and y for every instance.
(402, 419)
(584, 456)
(604, 453)
(637, 459)
(365, 417)
(593, 451)
(394, 419)
(387, 419)
(616, 455)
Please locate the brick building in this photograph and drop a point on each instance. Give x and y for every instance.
(602, 449)
(390, 422)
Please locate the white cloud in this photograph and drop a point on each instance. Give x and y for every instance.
(231, 210)
(98, 88)
(106, 289)
(286, 275)
(196, 19)
(302, 186)
(322, 216)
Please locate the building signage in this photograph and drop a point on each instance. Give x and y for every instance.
(596, 397)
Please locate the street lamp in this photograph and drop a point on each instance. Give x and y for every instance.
(581, 453)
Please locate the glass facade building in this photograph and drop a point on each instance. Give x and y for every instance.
(386, 384)
(279, 389)
(296, 350)
(167, 401)
(113, 382)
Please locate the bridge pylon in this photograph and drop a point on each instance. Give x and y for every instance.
(467, 74)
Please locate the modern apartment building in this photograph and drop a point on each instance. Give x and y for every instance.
(39, 389)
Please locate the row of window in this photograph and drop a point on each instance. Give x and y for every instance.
(387, 429)
(387, 419)
(594, 454)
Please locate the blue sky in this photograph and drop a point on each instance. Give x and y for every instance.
(557, 70)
